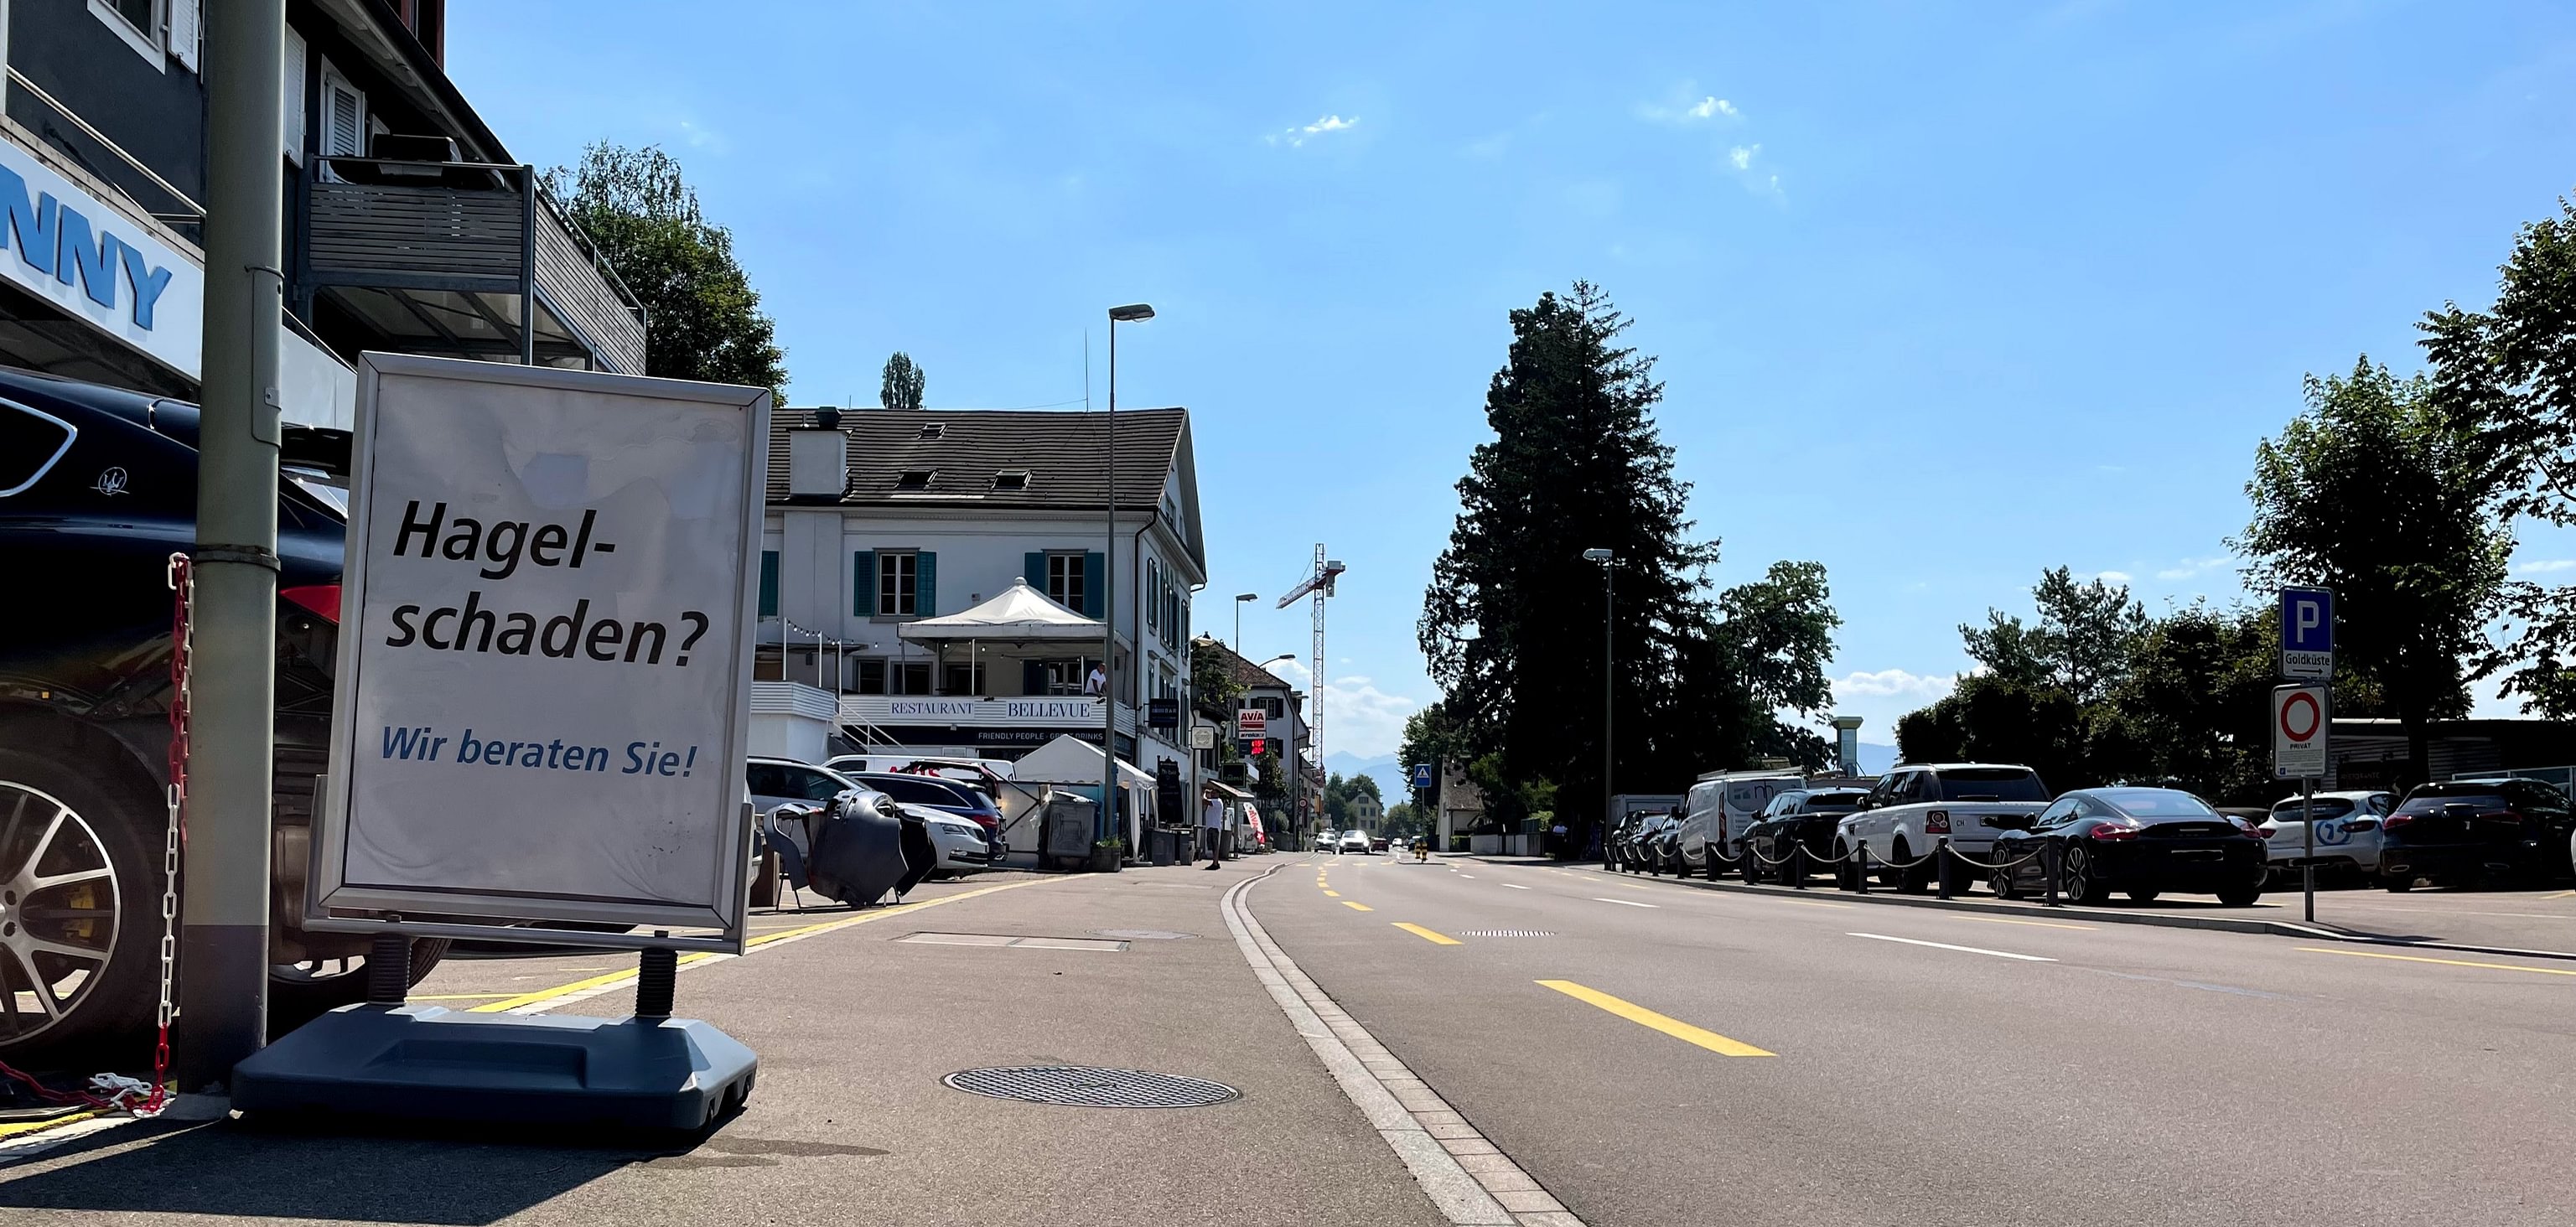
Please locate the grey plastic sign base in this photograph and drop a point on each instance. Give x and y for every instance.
(423, 1062)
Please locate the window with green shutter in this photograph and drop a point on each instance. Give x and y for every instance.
(769, 583)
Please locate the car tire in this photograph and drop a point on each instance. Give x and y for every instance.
(2240, 896)
(114, 819)
(2075, 881)
(2397, 885)
(1907, 881)
(2001, 882)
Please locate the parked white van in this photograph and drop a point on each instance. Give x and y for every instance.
(1719, 808)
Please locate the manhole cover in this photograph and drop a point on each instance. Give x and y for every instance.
(1143, 935)
(1087, 1086)
(1501, 933)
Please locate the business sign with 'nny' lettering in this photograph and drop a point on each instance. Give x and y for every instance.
(545, 647)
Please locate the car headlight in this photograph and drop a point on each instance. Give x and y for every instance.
(967, 832)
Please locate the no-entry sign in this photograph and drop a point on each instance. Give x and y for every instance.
(2299, 725)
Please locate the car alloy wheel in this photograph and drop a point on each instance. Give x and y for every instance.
(58, 911)
(2075, 882)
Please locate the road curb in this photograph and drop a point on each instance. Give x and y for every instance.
(2164, 920)
(1414, 1121)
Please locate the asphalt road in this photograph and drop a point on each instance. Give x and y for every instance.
(1937, 1067)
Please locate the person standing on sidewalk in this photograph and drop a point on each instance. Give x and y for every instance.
(1212, 827)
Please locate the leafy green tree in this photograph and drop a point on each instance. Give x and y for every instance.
(2376, 493)
(2505, 379)
(1512, 623)
(1212, 685)
(2081, 644)
(2193, 711)
(902, 383)
(702, 319)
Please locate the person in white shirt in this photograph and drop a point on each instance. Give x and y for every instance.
(1097, 682)
(1212, 828)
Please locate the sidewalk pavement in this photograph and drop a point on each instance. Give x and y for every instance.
(850, 1122)
(2540, 922)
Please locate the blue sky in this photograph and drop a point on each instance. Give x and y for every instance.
(1944, 293)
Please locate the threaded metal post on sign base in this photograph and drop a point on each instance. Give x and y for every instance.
(655, 983)
(388, 969)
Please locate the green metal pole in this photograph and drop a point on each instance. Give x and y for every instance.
(223, 963)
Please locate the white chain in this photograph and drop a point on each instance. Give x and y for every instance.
(186, 581)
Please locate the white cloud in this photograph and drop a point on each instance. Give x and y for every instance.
(1742, 156)
(1294, 137)
(1891, 684)
(2543, 566)
(1358, 716)
(2192, 566)
(1681, 109)
(1712, 106)
(2112, 577)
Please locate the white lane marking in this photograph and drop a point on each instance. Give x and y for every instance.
(1469, 876)
(1625, 902)
(1513, 886)
(2001, 954)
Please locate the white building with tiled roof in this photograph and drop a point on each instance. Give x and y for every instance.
(877, 518)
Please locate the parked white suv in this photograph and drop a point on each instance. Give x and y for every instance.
(2347, 831)
(1916, 804)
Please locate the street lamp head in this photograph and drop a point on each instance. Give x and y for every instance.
(1132, 313)
(1247, 596)
(1596, 555)
(1276, 659)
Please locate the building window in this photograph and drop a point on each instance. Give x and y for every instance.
(1153, 594)
(961, 678)
(872, 675)
(1065, 677)
(138, 22)
(916, 479)
(909, 676)
(769, 583)
(1064, 580)
(1011, 479)
(898, 583)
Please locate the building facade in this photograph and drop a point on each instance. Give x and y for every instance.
(879, 518)
(407, 226)
(1292, 808)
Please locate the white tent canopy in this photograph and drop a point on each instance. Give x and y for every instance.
(1021, 614)
(1071, 760)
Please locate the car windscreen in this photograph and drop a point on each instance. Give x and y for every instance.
(916, 791)
(2431, 798)
(1820, 802)
(2157, 803)
(2324, 807)
(1992, 784)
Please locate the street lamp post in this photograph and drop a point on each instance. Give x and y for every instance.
(1239, 599)
(1609, 666)
(1132, 313)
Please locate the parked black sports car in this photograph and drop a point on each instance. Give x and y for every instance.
(98, 487)
(1796, 819)
(2144, 841)
(2457, 831)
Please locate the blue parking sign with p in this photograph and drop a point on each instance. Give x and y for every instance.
(2307, 633)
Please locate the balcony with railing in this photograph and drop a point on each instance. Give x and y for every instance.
(466, 259)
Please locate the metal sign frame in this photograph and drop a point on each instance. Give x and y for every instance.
(2307, 650)
(2312, 760)
(332, 904)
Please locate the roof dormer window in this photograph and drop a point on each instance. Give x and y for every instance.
(915, 479)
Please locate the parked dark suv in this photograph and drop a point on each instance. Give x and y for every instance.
(98, 487)
(2458, 831)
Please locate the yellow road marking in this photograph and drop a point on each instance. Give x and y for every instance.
(2417, 958)
(1358, 906)
(457, 996)
(1333, 894)
(524, 1000)
(1437, 939)
(2564, 894)
(55, 1122)
(1644, 1017)
(2044, 924)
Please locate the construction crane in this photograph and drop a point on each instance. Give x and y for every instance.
(1318, 584)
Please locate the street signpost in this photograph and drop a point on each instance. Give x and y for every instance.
(2307, 633)
(2299, 731)
(1421, 775)
(1203, 738)
(1250, 723)
(542, 722)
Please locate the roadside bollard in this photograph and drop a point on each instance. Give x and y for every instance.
(1941, 865)
(2048, 868)
(1860, 869)
(1798, 866)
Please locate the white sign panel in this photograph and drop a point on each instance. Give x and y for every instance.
(92, 261)
(2299, 725)
(545, 648)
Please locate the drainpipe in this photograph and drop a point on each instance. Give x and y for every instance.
(223, 993)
